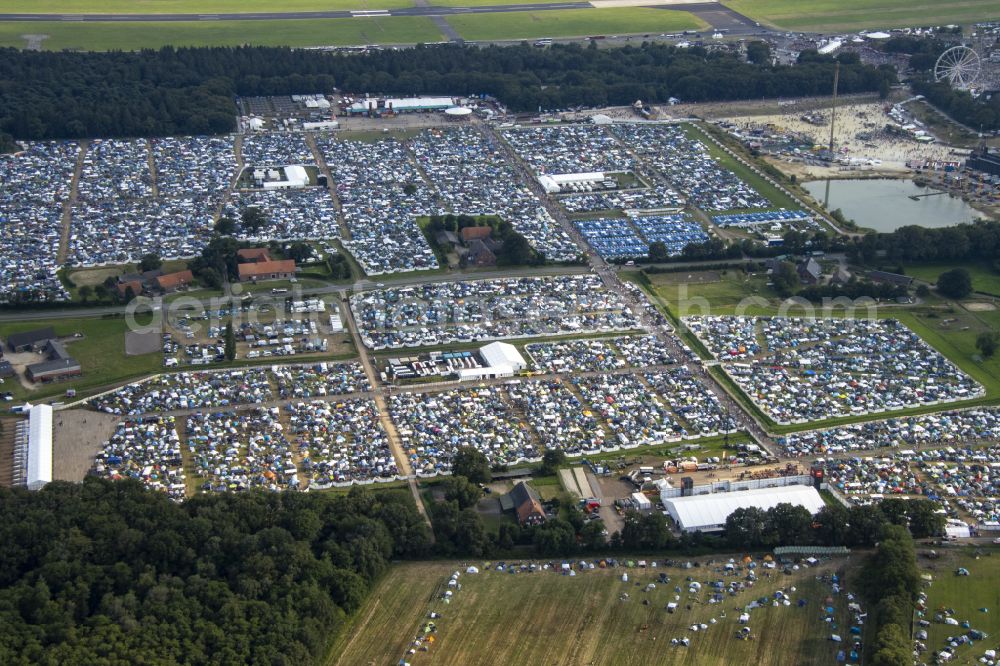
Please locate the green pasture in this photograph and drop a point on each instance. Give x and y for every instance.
(100, 351)
(571, 23)
(191, 6)
(131, 36)
(846, 15)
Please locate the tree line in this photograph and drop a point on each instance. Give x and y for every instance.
(109, 573)
(891, 582)
(54, 95)
(976, 242)
(977, 113)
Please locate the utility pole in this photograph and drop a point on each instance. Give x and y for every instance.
(833, 112)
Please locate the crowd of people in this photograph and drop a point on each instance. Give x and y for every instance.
(466, 311)
(798, 370)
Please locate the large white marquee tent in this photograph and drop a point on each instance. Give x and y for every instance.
(708, 513)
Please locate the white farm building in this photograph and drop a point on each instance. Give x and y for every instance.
(708, 513)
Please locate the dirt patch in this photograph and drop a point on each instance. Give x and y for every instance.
(980, 307)
(77, 437)
(142, 342)
(93, 277)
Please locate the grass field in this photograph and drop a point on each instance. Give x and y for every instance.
(546, 618)
(837, 15)
(101, 353)
(966, 595)
(983, 278)
(485, 3)
(190, 6)
(572, 23)
(141, 34)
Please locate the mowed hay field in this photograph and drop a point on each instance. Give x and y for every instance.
(548, 619)
(833, 15)
(135, 35)
(572, 23)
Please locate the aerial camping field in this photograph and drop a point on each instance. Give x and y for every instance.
(594, 617)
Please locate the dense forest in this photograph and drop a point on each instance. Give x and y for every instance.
(109, 573)
(46, 95)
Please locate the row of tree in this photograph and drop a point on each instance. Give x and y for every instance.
(49, 95)
(891, 582)
(110, 573)
(978, 241)
(834, 525)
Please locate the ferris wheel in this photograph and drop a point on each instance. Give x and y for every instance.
(959, 66)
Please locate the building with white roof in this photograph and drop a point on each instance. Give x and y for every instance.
(708, 513)
(39, 447)
(498, 354)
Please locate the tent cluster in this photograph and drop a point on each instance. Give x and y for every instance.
(615, 238)
(599, 355)
(303, 213)
(188, 390)
(687, 165)
(117, 220)
(241, 450)
(149, 451)
(381, 195)
(943, 428)
(200, 165)
(472, 176)
(341, 442)
(36, 182)
(816, 369)
(655, 197)
(568, 149)
(465, 311)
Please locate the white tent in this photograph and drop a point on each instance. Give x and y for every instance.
(501, 354)
(707, 513)
(39, 446)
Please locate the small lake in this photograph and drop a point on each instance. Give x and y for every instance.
(885, 204)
